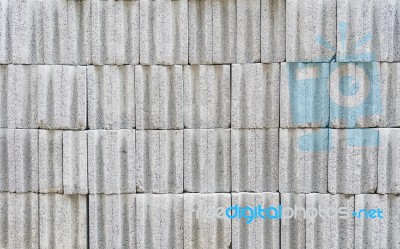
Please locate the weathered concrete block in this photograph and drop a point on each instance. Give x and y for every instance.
(4, 94)
(111, 97)
(207, 161)
(5, 42)
(159, 100)
(111, 161)
(392, 222)
(293, 230)
(255, 96)
(207, 96)
(7, 171)
(112, 221)
(389, 161)
(273, 31)
(163, 32)
(390, 94)
(202, 228)
(254, 159)
(75, 162)
(159, 161)
(63, 221)
(159, 221)
(303, 160)
(50, 161)
(260, 233)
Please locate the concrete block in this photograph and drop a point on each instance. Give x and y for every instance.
(248, 33)
(392, 222)
(353, 161)
(207, 96)
(293, 230)
(159, 221)
(202, 228)
(273, 31)
(61, 97)
(310, 30)
(355, 95)
(159, 100)
(5, 41)
(3, 92)
(7, 171)
(260, 233)
(255, 96)
(115, 32)
(19, 220)
(111, 97)
(75, 162)
(390, 94)
(389, 161)
(50, 161)
(63, 221)
(254, 159)
(159, 161)
(164, 32)
(303, 160)
(112, 221)
(207, 161)
(111, 161)
(304, 95)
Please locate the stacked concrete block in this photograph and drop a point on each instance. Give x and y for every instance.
(310, 30)
(255, 95)
(159, 161)
(203, 226)
(304, 95)
(207, 161)
(19, 220)
(254, 160)
(6, 166)
(75, 162)
(389, 161)
(3, 95)
(390, 94)
(263, 231)
(112, 221)
(353, 161)
(63, 221)
(111, 161)
(163, 32)
(392, 222)
(303, 160)
(158, 95)
(111, 97)
(293, 230)
(207, 96)
(159, 221)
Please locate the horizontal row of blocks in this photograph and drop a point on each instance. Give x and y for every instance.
(352, 161)
(168, 32)
(188, 221)
(285, 95)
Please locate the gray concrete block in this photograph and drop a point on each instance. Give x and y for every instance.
(310, 30)
(248, 33)
(163, 32)
(255, 96)
(353, 161)
(63, 221)
(207, 96)
(273, 31)
(207, 161)
(390, 94)
(19, 220)
(159, 161)
(202, 228)
(303, 160)
(115, 32)
(260, 233)
(389, 161)
(293, 230)
(112, 221)
(3, 94)
(7, 171)
(304, 95)
(5, 42)
(159, 221)
(254, 159)
(111, 97)
(158, 94)
(111, 161)
(392, 222)
(75, 162)
(50, 161)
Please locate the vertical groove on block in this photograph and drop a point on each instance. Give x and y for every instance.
(254, 160)
(111, 161)
(392, 221)
(390, 94)
(207, 96)
(5, 32)
(389, 161)
(4, 95)
(111, 97)
(7, 170)
(293, 230)
(200, 32)
(75, 162)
